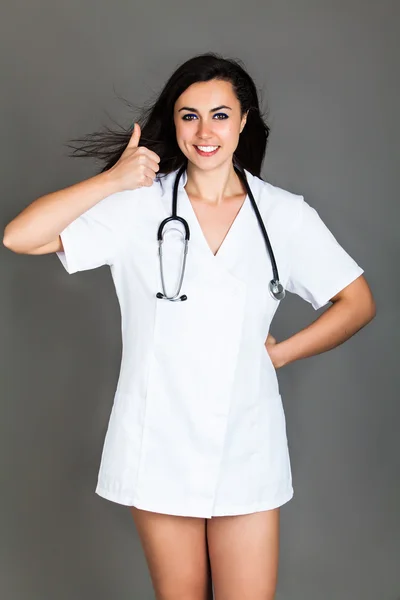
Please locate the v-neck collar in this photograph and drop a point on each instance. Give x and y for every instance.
(224, 263)
(184, 198)
(186, 209)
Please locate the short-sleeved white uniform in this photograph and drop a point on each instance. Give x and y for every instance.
(197, 427)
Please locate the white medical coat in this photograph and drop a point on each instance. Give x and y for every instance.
(197, 426)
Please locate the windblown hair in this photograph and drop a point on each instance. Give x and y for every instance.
(157, 120)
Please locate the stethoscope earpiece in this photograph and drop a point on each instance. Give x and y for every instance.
(173, 299)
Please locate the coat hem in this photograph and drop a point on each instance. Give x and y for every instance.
(185, 512)
(244, 510)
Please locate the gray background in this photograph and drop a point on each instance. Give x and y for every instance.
(329, 72)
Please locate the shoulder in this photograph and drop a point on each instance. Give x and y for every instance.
(127, 203)
(276, 203)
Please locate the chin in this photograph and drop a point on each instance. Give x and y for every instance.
(208, 164)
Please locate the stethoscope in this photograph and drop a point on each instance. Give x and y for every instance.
(275, 288)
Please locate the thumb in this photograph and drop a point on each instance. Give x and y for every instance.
(134, 141)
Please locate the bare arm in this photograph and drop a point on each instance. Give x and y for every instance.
(352, 308)
(36, 229)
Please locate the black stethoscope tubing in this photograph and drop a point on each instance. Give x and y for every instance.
(275, 288)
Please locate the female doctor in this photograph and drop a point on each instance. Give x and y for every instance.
(196, 443)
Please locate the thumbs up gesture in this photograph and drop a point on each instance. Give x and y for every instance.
(137, 165)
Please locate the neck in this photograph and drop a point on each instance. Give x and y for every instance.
(215, 185)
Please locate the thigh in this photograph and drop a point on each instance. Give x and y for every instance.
(244, 553)
(176, 553)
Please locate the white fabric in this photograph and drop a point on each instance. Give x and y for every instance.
(197, 426)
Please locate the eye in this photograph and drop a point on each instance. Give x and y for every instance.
(185, 117)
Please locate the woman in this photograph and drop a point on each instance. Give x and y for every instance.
(196, 444)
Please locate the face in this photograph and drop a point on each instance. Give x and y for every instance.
(207, 115)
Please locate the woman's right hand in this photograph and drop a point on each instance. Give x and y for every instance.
(137, 165)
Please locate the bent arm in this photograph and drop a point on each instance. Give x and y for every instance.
(36, 230)
(352, 309)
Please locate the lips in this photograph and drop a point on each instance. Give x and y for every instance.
(202, 153)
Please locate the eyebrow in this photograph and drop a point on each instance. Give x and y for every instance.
(212, 110)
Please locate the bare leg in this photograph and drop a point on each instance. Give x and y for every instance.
(176, 552)
(244, 553)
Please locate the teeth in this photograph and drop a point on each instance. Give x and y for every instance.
(207, 148)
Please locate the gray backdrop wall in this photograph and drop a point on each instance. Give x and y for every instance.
(329, 72)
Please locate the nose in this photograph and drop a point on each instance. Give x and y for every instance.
(204, 130)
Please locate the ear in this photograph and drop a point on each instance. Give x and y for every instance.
(244, 119)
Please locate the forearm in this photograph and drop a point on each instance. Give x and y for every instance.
(333, 327)
(46, 217)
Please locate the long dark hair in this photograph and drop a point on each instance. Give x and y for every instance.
(157, 120)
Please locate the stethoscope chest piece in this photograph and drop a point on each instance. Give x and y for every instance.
(276, 289)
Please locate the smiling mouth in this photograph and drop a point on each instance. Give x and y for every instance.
(206, 150)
